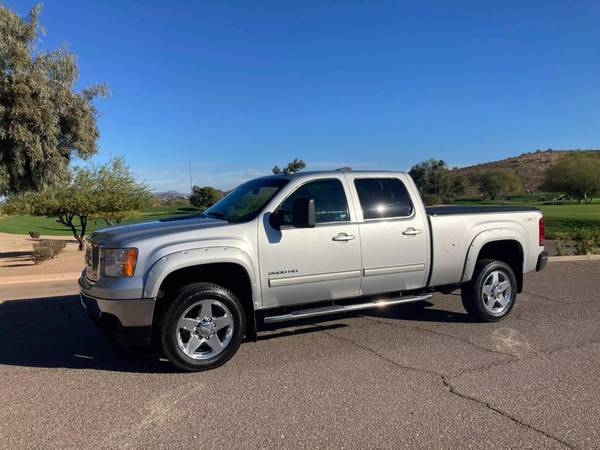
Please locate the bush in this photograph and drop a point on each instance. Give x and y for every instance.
(44, 250)
(586, 241)
(430, 199)
(34, 234)
(562, 240)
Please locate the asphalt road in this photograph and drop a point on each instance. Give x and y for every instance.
(389, 379)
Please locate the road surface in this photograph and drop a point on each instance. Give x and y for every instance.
(398, 377)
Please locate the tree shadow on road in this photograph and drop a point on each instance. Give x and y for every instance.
(56, 333)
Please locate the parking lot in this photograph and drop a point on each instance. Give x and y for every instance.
(391, 378)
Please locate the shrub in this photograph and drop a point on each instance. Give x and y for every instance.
(586, 241)
(34, 234)
(562, 240)
(430, 199)
(46, 249)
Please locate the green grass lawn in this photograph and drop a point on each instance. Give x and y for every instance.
(559, 218)
(49, 226)
(563, 217)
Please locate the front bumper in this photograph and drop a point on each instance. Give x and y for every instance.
(542, 261)
(127, 322)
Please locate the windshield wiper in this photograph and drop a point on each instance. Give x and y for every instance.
(215, 214)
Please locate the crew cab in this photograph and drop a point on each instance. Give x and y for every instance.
(291, 246)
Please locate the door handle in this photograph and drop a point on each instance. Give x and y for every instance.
(343, 237)
(411, 231)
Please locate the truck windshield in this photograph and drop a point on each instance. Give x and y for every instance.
(246, 201)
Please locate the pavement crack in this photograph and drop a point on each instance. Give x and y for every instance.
(491, 365)
(535, 294)
(550, 299)
(566, 347)
(504, 414)
(437, 333)
(385, 358)
(445, 381)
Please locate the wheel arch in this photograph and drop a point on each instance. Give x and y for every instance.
(172, 272)
(504, 245)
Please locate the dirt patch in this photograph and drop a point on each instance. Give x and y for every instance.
(16, 260)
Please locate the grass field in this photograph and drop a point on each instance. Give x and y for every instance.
(563, 217)
(559, 218)
(49, 226)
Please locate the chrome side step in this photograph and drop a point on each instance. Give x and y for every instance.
(335, 309)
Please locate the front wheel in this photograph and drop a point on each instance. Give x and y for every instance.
(492, 292)
(203, 327)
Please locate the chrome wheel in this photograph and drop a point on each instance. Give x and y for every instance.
(496, 292)
(205, 329)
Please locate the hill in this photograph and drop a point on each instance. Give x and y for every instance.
(529, 167)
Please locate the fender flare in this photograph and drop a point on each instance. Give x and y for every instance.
(200, 256)
(483, 238)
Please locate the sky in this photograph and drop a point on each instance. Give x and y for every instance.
(235, 87)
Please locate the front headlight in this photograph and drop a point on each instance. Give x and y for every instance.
(119, 262)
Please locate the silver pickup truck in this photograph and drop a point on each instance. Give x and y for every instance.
(302, 245)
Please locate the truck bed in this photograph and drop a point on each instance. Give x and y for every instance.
(455, 228)
(459, 209)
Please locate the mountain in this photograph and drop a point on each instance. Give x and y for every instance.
(529, 167)
(170, 195)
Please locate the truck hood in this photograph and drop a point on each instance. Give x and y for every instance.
(124, 235)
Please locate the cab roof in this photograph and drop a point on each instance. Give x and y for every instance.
(309, 173)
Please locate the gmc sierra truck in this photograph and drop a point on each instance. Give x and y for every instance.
(292, 246)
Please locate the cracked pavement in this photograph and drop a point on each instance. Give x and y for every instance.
(397, 377)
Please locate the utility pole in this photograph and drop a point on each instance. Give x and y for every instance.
(190, 167)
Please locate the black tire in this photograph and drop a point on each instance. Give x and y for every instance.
(170, 333)
(472, 292)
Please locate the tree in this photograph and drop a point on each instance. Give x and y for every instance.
(295, 166)
(452, 184)
(107, 192)
(118, 194)
(426, 175)
(433, 177)
(577, 174)
(204, 197)
(494, 182)
(44, 122)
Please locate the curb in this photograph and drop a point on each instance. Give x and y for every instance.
(574, 258)
(40, 278)
(75, 275)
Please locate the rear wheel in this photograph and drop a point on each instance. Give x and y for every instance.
(491, 294)
(203, 327)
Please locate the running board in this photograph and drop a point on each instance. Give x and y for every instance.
(335, 309)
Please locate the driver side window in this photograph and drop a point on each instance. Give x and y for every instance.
(330, 201)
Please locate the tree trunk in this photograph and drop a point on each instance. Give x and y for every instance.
(81, 238)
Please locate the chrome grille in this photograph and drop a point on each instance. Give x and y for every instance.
(92, 261)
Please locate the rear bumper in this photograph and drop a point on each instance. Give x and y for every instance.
(541, 262)
(127, 322)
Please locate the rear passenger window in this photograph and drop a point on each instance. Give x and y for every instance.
(383, 197)
(330, 201)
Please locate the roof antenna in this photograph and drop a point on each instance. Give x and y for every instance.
(344, 169)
